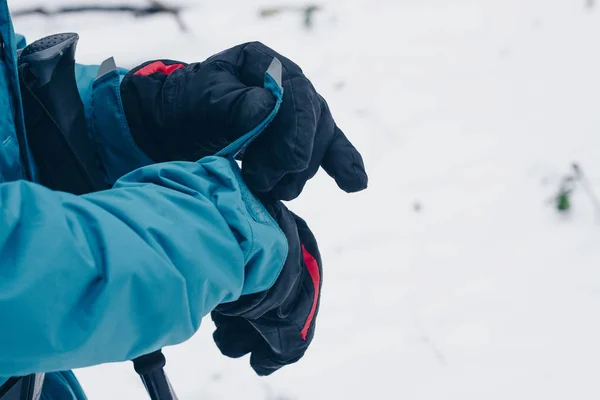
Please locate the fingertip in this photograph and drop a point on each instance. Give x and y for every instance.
(231, 342)
(355, 181)
(345, 164)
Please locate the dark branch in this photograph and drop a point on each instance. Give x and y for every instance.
(154, 7)
(308, 12)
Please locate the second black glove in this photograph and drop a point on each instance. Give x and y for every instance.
(278, 325)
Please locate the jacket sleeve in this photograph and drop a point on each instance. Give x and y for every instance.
(116, 274)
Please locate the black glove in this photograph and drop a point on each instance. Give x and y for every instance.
(179, 111)
(276, 326)
(185, 112)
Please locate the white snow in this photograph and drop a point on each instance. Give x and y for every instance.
(472, 108)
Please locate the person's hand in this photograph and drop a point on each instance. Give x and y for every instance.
(276, 326)
(179, 111)
(182, 111)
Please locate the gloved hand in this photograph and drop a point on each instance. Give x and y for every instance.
(179, 111)
(276, 326)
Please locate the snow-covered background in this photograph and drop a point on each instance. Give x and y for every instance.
(471, 109)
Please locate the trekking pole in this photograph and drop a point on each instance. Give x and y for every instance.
(150, 368)
(22, 388)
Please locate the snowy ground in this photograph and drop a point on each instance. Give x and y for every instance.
(473, 109)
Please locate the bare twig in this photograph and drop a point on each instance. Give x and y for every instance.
(153, 7)
(585, 183)
(308, 11)
(426, 339)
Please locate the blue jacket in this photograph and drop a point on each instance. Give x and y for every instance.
(116, 274)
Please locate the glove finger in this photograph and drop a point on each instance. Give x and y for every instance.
(291, 185)
(286, 146)
(280, 346)
(344, 163)
(234, 336)
(290, 136)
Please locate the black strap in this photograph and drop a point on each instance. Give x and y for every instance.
(62, 165)
(55, 117)
(151, 369)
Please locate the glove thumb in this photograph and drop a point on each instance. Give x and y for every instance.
(345, 164)
(234, 336)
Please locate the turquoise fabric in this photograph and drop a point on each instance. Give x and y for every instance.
(85, 75)
(62, 385)
(109, 130)
(11, 167)
(20, 41)
(116, 274)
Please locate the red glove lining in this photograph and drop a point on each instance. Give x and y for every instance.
(158, 66)
(313, 270)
